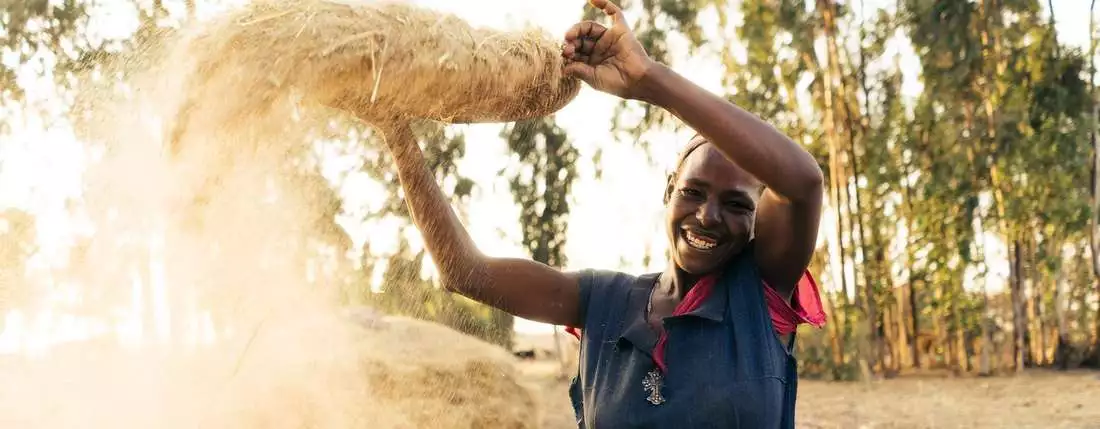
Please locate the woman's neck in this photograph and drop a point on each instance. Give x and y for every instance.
(675, 282)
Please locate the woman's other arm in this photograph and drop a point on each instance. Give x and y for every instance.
(522, 287)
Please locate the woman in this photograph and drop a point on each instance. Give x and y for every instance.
(695, 345)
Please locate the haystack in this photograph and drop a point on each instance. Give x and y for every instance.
(391, 373)
(296, 372)
(439, 378)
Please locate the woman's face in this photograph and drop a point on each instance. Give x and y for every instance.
(711, 211)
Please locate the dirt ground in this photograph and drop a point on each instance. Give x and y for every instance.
(1035, 399)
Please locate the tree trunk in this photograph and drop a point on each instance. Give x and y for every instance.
(1019, 316)
(1031, 294)
(985, 349)
(858, 121)
(1061, 346)
(854, 122)
(962, 359)
(985, 354)
(882, 268)
(830, 124)
(834, 339)
(938, 329)
(1094, 193)
(890, 355)
(914, 319)
(914, 311)
(903, 336)
(1037, 291)
(992, 52)
(836, 172)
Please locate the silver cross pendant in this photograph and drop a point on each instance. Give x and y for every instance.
(652, 385)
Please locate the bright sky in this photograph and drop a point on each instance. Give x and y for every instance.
(613, 219)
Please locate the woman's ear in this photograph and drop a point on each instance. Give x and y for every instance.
(668, 188)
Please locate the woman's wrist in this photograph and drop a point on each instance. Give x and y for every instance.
(653, 83)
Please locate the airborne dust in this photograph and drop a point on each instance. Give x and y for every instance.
(204, 189)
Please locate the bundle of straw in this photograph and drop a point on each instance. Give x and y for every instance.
(380, 59)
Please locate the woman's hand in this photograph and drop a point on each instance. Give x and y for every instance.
(608, 59)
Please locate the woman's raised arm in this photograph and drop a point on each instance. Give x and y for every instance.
(522, 287)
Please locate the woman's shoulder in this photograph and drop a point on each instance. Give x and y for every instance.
(598, 277)
(599, 283)
(602, 289)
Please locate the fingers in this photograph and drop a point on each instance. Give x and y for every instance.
(603, 47)
(575, 54)
(580, 71)
(612, 10)
(582, 40)
(585, 29)
(590, 42)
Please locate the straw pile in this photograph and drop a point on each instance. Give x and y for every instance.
(313, 371)
(375, 60)
(439, 378)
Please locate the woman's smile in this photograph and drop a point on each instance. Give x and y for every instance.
(701, 241)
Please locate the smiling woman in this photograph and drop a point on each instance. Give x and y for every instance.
(707, 342)
(708, 240)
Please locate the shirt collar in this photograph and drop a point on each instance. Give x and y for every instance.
(636, 330)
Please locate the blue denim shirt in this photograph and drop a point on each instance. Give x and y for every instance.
(726, 367)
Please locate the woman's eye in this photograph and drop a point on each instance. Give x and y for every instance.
(689, 192)
(737, 205)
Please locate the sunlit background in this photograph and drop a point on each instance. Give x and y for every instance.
(613, 220)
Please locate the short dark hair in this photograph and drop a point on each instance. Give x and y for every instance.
(696, 141)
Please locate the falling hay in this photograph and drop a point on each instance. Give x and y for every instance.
(235, 102)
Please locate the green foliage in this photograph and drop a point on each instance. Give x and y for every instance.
(32, 27)
(542, 185)
(406, 293)
(54, 40)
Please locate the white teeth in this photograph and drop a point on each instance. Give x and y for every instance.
(700, 242)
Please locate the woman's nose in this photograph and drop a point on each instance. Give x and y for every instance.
(709, 214)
